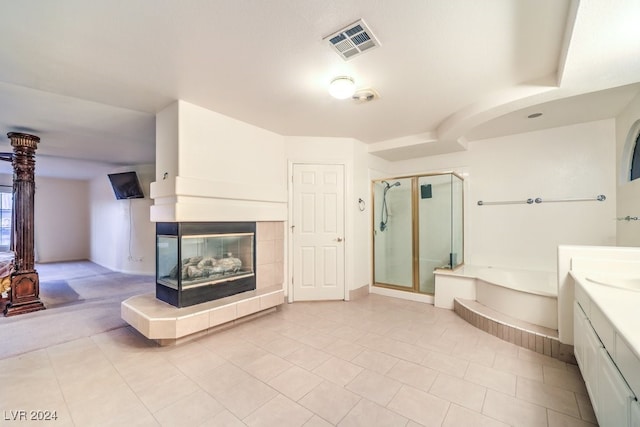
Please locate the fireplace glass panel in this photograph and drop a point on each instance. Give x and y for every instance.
(206, 260)
(199, 262)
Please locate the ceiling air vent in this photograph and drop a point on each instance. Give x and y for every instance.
(353, 40)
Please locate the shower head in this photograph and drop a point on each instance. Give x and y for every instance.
(385, 209)
(388, 186)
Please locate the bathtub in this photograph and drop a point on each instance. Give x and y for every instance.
(528, 281)
(527, 295)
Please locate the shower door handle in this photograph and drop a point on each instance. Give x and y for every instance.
(339, 239)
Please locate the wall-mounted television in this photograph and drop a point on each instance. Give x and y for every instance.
(126, 185)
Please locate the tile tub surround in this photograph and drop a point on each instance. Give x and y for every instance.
(528, 295)
(533, 337)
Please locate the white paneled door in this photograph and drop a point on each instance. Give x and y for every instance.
(318, 232)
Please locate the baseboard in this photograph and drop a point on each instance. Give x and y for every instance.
(360, 292)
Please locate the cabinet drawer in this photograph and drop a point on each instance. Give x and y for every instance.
(580, 323)
(614, 396)
(628, 364)
(603, 328)
(592, 348)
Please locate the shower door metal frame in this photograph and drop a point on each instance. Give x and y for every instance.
(415, 235)
(415, 231)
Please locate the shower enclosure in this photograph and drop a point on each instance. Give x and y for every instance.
(417, 228)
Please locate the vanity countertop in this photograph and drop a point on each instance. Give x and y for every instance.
(620, 306)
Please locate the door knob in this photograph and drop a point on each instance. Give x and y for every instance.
(339, 239)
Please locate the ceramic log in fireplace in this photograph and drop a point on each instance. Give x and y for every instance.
(198, 262)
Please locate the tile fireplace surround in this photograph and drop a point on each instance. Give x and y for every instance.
(169, 325)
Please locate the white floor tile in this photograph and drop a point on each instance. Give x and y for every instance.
(513, 411)
(459, 391)
(369, 414)
(459, 416)
(419, 406)
(372, 361)
(295, 382)
(375, 387)
(330, 401)
(279, 411)
(338, 371)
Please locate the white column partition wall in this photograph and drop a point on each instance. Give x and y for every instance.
(417, 228)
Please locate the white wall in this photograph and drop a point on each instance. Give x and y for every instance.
(217, 168)
(568, 162)
(122, 234)
(77, 220)
(167, 137)
(565, 162)
(61, 218)
(361, 218)
(61, 222)
(627, 129)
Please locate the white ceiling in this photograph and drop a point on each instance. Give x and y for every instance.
(89, 76)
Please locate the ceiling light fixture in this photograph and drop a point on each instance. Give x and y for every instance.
(342, 87)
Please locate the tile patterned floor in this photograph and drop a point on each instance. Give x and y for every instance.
(377, 361)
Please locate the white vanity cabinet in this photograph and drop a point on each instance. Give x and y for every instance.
(595, 339)
(614, 395)
(587, 351)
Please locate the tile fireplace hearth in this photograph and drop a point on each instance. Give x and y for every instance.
(261, 256)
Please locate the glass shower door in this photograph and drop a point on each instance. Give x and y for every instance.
(418, 227)
(393, 247)
(439, 225)
(457, 213)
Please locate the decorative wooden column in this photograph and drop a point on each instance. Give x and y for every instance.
(25, 285)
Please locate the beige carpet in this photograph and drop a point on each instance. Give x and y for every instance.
(82, 299)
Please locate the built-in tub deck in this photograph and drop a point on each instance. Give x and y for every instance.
(519, 306)
(536, 282)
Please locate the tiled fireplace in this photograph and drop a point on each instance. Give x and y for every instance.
(198, 262)
(249, 281)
